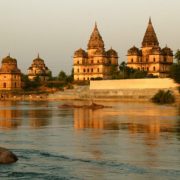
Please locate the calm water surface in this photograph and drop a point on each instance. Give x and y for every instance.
(128, 141)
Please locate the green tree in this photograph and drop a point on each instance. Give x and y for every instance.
(175, 72)
(177, 56)
(62, 76)
(114, 72)
(130, 73)
(122, 69)
(30, 85)
(70, 78)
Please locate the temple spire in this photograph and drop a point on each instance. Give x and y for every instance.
(96, 41)
(150, 20)
(150, 38)
(95, 27)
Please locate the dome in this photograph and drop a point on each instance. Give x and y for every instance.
(100, 52)
(134, 51)
(80, 53)
(112, 53)
(9, 65)
(38, 60)
(167, 51)
(9, 59)
(156, 50)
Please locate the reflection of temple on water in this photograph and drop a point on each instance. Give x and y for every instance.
(93, 119)
(87, 118)
(9, 117)
(38, 118)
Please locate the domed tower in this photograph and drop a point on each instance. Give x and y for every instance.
(134, 56)
(10, 75)
(96, 63)
(151, 57)
(150, 40)
(96, 42)
(112, 56)
(38, 68)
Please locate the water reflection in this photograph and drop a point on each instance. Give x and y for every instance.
(9, 118)
(88, 118)
(39, 118)
(15, 114)
(152, 120)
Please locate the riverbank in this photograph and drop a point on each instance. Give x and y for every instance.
(84, 93)
(138, 90)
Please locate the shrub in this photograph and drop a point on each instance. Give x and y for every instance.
(163, 97)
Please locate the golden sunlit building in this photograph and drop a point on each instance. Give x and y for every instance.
(95, 62)
(10, 75)
(38, 69)
(151, 57)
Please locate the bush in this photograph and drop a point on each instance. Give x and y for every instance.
(163, 97)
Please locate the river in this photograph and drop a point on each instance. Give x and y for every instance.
(125, 141)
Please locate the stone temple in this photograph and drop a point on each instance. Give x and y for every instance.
(10, 75)
(38, 68)
(151, 57)
(95, 63)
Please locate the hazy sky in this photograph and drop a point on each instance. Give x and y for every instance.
(56, 28)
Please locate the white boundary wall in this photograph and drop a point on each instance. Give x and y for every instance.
(157, 83)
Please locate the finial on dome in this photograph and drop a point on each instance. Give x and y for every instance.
(9, 54)
(38, 56)
(150, 20)
(95, 27)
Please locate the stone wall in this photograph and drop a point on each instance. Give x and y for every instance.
(131, 89)
(157, 83)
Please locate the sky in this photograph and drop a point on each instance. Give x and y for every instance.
(56, 28)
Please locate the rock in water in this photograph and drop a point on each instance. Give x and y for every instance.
(7, 157)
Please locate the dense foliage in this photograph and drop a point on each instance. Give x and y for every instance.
(163, 97)
(30, 85)
(175, 73)
(126, 72)
(177, 56)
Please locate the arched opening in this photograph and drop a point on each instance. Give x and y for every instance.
(154, 59)
(154, 68)
(15, 85)
(4, 85)
(132, 60)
